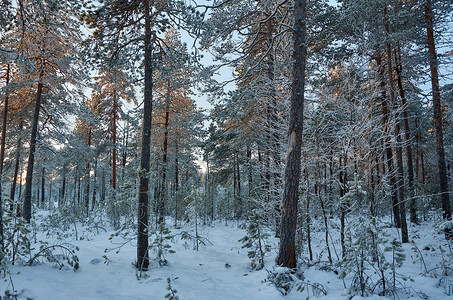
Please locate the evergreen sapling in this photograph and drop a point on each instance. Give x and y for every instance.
(256, 240)
(171, 295)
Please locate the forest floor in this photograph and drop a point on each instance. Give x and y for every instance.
(220, 269)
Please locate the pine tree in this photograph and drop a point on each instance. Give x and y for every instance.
(173, 104)
(140, 21)
(433, 64)
(287, 252)
(48, 43)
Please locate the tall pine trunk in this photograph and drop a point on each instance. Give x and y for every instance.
(2, 157)
(86, 194)
(343, 205)
(143, 214)
(287, 251)
(79, 188)
(272, 120)
(321, 201)
(125, 144)
(103, 186)
(63, 187)
(249, 176)
(387, 144)
(308, 218)
(4, 121)
(114, 114)
(398, 150)
(163, 187)
(93, 198)
(433, 64)
(239, 195)
(16, 168)
(177, 181)
(26, 212)
(43, 185)
(20, 183)
(407, 136)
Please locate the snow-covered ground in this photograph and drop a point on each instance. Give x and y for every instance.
(219, 270)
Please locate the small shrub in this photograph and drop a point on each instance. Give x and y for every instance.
(160, 245)
(171, 295)
(256, 240)
(285, 280)
(65, 256)
(17, 237)
(365, 261)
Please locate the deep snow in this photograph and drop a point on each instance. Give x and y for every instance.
(220, 270)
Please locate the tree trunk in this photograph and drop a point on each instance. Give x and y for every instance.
(250, 178)
(123, 164)
(371, 200)
(399, 152)
(26, 213)
(37, 194)
(74, 196)
(422, 158)
(274, 143)
(308, 219)
(235, 197)
(79, 181)
(330, 176)
(324, 215)
(287, 253)
(4, 121)
(238, 194)
(43, 193)
(16, 169)
(321, 201)
(114, 112)
(50, 194)
(433, 64)
(177, 181)
(2, 156)
(371, 180)
(103, 186)
(210, 191)
(387, 146)
(420, 161)
(86, 196)
(417, 152)
(343, 205)
(163, 187)
(409, 158)
(93, 199)
(20, 183)
(267, 164)
(142, 239)
(63, 187)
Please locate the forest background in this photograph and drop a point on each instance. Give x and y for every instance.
(334, 112)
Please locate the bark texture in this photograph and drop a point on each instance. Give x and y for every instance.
(433, 64)
(143, 214)
(26, 212)
(2, 156)
(287, 251)
(16, 169)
